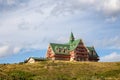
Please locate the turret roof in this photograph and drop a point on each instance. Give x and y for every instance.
(71, 38)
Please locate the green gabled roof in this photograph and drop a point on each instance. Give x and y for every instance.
(92, 49)
(74, 44)
(60, 48)
(71, 38)
(64, 48)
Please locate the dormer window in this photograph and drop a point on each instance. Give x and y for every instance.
(59, 49)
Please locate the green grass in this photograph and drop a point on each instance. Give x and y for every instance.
(60, 70)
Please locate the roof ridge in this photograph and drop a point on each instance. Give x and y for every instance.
(59, 44)
(77, 39)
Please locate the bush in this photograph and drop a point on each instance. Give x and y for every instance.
(21, 63)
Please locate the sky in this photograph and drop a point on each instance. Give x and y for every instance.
(28, 26)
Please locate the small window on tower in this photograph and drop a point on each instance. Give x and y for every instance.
(59, 49)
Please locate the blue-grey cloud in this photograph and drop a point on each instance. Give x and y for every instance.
(35, 23)
(58, 7)
(12, 4)
(112, 57)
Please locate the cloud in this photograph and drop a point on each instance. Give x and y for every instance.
(111, 43)
(16, 50)
(6, 50)
(35, 23)
(111, 57)
(3, 50)
(111, 19)
(111, 7)
(105, 8)
(11, 5)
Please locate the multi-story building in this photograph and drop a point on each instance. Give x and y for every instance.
(74, 50)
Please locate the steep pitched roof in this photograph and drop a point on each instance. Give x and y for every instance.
(91, 51)
(60, 48)
(71, 38)
(64, 48)
(74, 44)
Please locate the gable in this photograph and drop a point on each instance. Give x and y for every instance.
(92, 52)
(64, 48)
(31, 60)
(60, 48)
(74, 44)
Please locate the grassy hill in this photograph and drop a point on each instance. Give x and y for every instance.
(59, 70)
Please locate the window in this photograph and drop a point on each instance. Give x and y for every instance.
(59, 49)
(56, 49)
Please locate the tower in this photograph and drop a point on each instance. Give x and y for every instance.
(71, 38)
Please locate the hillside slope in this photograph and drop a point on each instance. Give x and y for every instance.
(59, 70)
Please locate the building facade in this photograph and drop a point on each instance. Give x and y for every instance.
(74, 50)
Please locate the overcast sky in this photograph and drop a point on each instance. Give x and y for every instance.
(30, 25)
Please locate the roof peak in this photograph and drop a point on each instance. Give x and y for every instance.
(71, 37)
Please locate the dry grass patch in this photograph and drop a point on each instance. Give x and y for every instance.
(61, 70)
